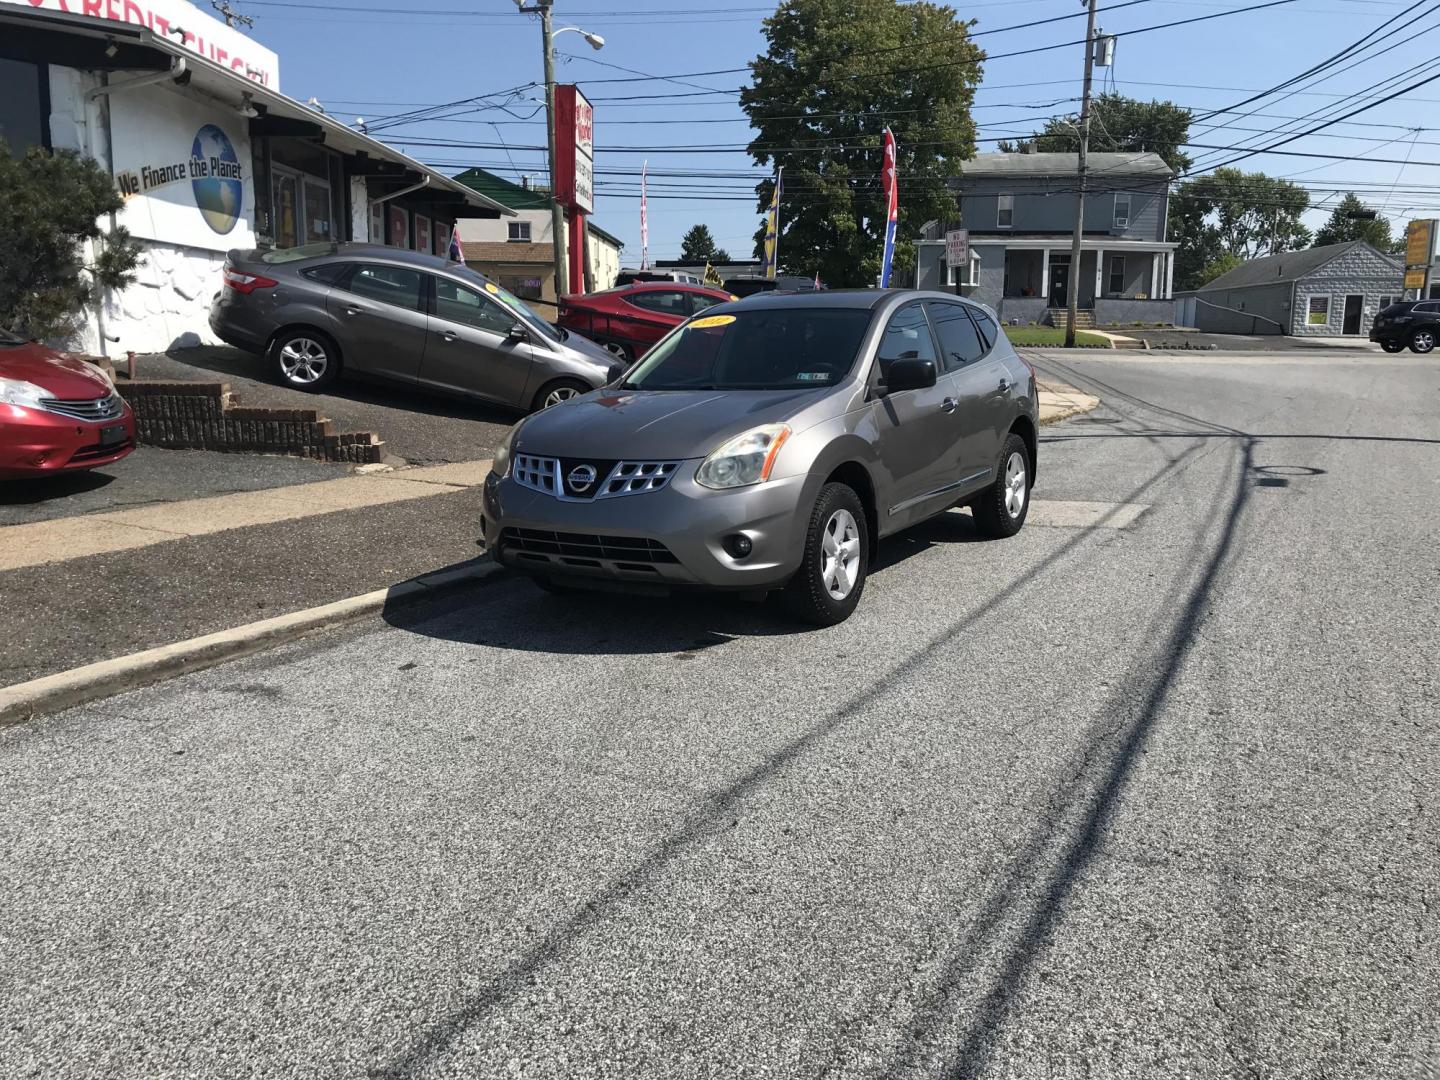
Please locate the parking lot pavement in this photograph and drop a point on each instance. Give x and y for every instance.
(1152, 801)
(150, 476)
(418, 428)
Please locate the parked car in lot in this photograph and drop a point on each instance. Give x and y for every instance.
(628, 320)
(1415, 323)
(768, 445)
(322, 309)
(58, 414)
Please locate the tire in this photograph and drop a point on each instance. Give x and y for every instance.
(1392, 346)
(305, 359)
(622, 353)
(1422, 341)
(1000, 510)
(552, 393)
(837, 523)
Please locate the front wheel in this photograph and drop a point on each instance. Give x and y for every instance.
(1422, 341)
(556, 392)
(827, 587)
(1001, 508)
(1392, 346)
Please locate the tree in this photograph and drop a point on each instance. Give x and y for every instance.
(834, 75)
(50, 206)
(1353, 220)
(1221, 264)
(1117, 124)
(1229, 211)
(698, 246)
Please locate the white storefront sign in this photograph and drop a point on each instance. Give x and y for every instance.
(202, 33)
(184, 169)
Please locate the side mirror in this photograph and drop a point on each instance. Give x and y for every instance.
(615, 372)
(908, 375)
(518, 333)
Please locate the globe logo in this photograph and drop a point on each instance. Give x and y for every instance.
(217, 178)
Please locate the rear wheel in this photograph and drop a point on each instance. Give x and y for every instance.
(1422, 341)
(555, 392)
(827, 587)
(1001, 508)
(623, 353)
(1392, 346)
(305, 359)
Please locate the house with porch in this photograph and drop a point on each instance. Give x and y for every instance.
(1019, 211)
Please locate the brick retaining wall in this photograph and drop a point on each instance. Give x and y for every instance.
(204, 416)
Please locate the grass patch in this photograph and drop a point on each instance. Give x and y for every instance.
(1052, 337)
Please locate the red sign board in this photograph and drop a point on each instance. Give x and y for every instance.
(574, 149)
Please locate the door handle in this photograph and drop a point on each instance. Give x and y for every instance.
(448, 335)
(950, 404)
(351, 309)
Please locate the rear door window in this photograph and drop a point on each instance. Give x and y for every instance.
(960, 340)
(397, 285)
(662, 300)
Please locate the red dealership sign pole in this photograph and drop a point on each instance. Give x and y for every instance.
(575, 171)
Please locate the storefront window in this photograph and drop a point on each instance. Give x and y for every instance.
(286, 209)
(527, 288)
(317, 210)
(23, 105)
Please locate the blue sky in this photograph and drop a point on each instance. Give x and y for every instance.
(368, 58)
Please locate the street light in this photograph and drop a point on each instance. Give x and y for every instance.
(557, 215)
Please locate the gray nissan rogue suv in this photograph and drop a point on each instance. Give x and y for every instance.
(769, 444)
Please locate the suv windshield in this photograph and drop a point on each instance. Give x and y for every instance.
(764, 349)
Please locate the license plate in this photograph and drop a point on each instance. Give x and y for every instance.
(111, 435)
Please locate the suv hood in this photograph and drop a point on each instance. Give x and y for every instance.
(654, 424)
(60, 375)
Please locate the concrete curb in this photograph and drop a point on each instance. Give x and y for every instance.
(52, 693)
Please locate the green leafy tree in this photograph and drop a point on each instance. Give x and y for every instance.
(1353, 220)
(698, 246)
(1243, 214)
(1221, 264)
(50, 205)
(834, 75)
(1117, 124)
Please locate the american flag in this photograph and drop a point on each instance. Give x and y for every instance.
(892, 208)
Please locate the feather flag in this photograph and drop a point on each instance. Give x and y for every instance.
(457, 253)
(892, 208)
(772, 232)
(644, 220)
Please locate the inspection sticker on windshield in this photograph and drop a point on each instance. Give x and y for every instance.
(812, 376)
(711, 321)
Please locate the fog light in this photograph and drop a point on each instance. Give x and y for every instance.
(737, 545)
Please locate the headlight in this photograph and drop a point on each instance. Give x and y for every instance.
(16, 392)
(500, 464)
(744, 460)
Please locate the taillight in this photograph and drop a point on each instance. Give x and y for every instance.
(247, 283)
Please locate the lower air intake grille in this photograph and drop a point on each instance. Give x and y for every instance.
(566, 545)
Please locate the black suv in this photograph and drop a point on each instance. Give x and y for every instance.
(1411, 322)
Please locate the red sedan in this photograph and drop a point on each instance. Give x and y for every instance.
(628, 320)
(57, 414)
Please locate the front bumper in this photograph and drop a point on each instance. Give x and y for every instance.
(671, 537)
(36, 443)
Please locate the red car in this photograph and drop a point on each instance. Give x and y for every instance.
(57, 414)
(628, 320)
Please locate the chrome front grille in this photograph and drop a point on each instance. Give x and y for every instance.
(93, 409)
(615, 478)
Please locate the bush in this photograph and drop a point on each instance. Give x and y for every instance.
(50, 205)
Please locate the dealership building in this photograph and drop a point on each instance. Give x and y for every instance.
(186, 113)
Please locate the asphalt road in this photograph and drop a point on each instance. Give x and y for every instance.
(1154, 802)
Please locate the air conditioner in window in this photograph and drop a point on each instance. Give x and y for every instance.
(1122, 223)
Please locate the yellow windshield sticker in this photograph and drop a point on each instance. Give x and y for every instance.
(712, 321)
(490, 287)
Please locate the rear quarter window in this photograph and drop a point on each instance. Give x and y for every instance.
(330, 273)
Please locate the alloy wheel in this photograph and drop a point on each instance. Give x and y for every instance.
(1423, 341)
(559, 394)
(1015, 485)
(840, 547)
(617, 350)
(303, 360)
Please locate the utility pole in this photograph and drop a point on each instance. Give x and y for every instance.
(557, 215)
(1072, 299)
